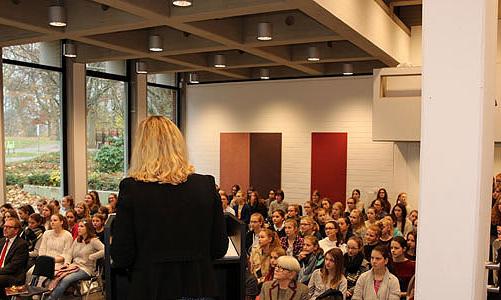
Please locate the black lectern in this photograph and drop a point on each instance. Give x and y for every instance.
(230, 270)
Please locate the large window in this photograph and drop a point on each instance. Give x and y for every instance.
(106, 130)
(32, 121)
(162, 95)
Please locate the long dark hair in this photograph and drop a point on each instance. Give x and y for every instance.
(91, 233)
(404, 216)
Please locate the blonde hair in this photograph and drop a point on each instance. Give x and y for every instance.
(159, 153)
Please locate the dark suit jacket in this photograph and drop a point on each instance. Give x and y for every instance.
(16, 260)
(245, 214)
(168, 236)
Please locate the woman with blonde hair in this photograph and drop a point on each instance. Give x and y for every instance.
(260, 254)
(162, 179)
(357, 223)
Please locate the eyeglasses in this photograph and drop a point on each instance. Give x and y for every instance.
(10, 227)
(279, 268)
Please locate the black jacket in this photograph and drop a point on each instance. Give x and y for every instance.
(168, 236)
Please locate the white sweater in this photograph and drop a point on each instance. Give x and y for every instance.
(56, 245)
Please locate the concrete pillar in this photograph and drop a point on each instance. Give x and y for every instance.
(50, 53)
(459, 46)
(137, 101)
(2, 138)
(77, 127)
(115, 67)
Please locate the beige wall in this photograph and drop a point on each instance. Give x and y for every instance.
(296, 108)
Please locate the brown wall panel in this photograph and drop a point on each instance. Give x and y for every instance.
(234, 160)
(265, 161)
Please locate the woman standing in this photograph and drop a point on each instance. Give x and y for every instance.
(378, 283)
(167, 264)
(85, 251)
(330, 276)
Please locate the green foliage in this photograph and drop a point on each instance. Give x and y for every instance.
(55, 178)
(15, 179)
(39, 179)
(103, 181)
(110, 158)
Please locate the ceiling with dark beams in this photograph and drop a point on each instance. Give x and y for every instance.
(105, 30)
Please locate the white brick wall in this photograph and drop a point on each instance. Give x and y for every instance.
(296, 108)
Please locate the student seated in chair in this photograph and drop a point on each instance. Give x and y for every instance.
(13, 256)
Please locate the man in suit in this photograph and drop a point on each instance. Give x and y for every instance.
(13, 256)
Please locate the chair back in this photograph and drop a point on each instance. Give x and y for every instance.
(44, 266)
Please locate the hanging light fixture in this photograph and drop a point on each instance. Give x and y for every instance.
(264, 31)
(155, 43)
(194, 78)
(182, 3)
(69, 49)
(57, 16)
(219, 61)
(347, 69)
(313, 54)
(264, 74)
(141, 67)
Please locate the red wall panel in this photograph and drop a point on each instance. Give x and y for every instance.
(328, 164)
(234, 160)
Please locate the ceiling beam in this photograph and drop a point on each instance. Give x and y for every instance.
(365, 24)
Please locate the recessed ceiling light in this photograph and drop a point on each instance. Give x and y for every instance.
(219, 61)
(155, 43)
(57, 16)
(264, 74)
(313, 54)
(347, 69)
(265, 31)
(182, 3)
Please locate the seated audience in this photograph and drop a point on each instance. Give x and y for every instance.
(354, 263)
(355, 194)
(40, 205)
(55, 205)
(98, 221)
(274, 255)
(308, 226)
(378, 207)
(67, 203)
(402, 199)
(310, 258)
(316, 201)
(371, 240)
(382, 196)
(56, 242)
(252, 235)
(112, 202)
(278, 203)
(14, 256)
(333, 239)
(357, 223)
(225, 204)
(350, 205)
(271, 197)
(329, 277)
(85, 251)
(33, 236)
(293, 212)
(327, 205)
(308, 209)
(378, 282)
(371, 217)
(402, 267)
(291, 242)
(82, 211)
(47, 212)
(322, 218)
(71, 220)
(413, 216)
(24, 212)
(260, 254)
(92, 202)
(242, 209)
(284, 285)
(411, 245)
(344, 229)
(399, 214)
(387, 231)
(257, 205)
(337, 210)
(278, 218)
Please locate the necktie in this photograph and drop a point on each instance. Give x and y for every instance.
(4, 252)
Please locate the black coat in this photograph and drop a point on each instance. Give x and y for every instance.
(168, 236)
